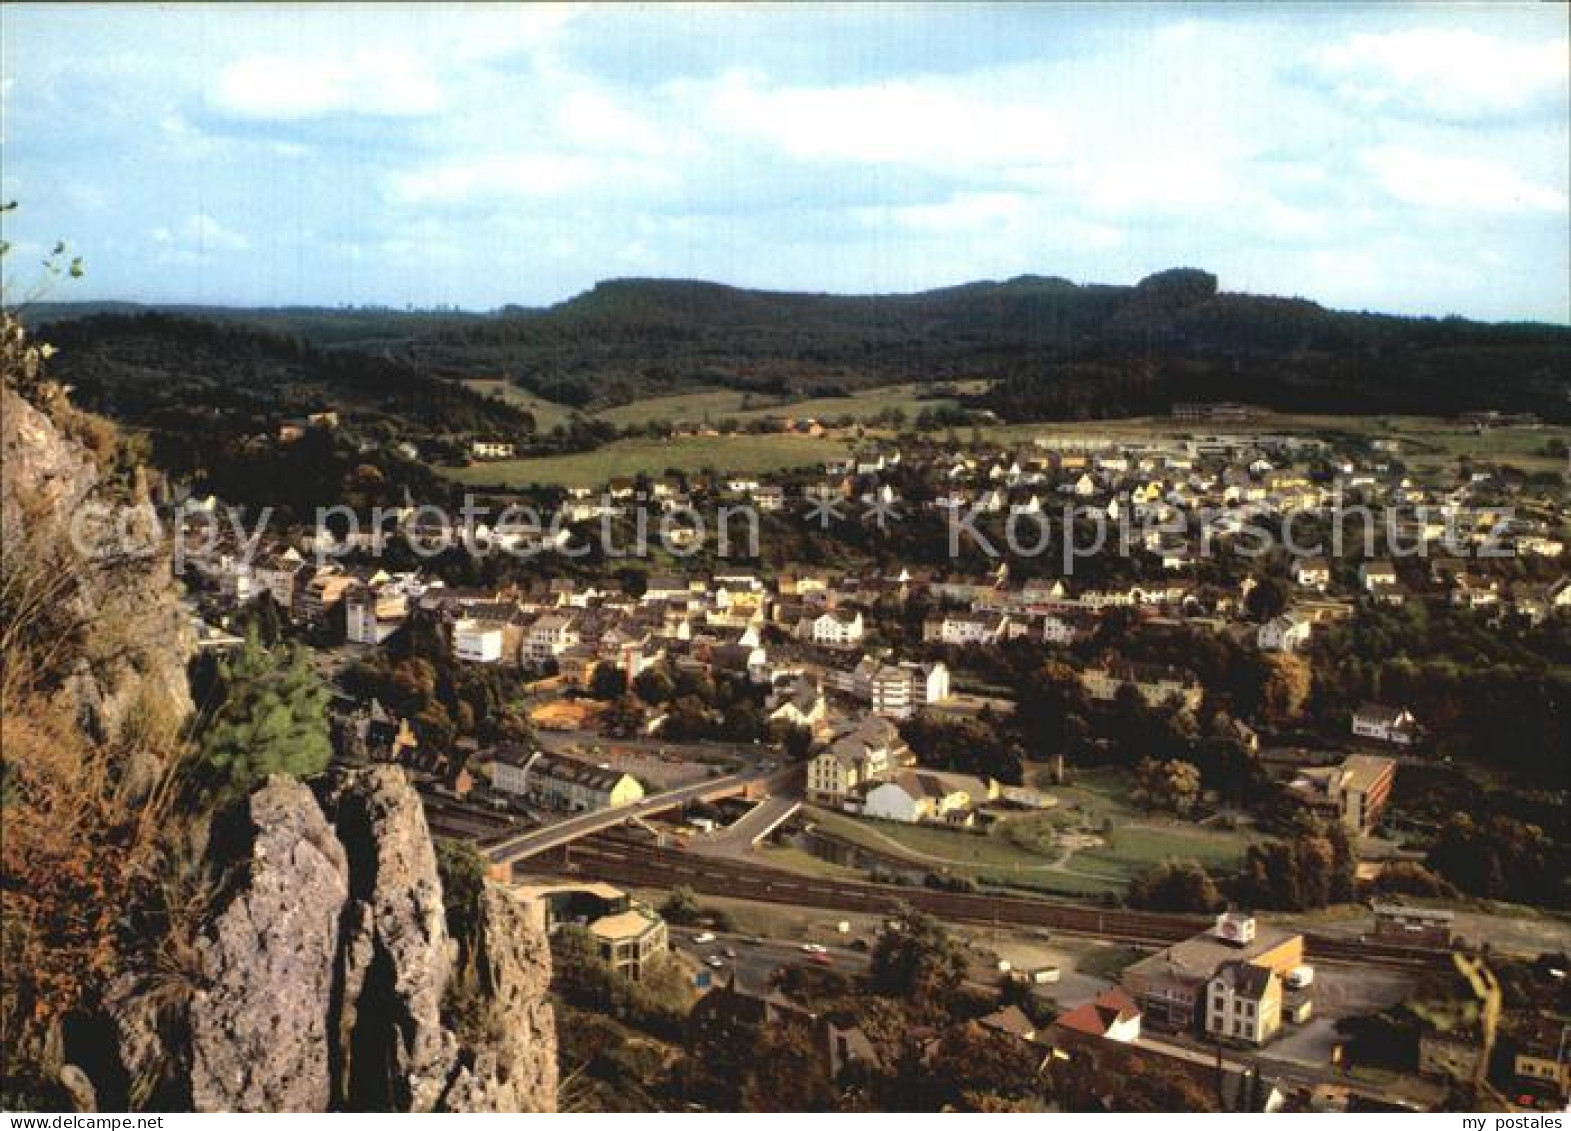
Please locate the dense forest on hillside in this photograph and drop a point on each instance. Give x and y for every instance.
(208, 398)
(142, 368)
(1054, 348)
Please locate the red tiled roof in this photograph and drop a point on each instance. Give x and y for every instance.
(1095, 1018)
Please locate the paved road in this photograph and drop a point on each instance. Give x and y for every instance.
(756, 959)
(566, 831)
(737, 839)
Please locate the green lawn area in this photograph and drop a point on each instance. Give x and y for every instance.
(1030, 849)
(1440, 443)
(955, 848)
(795, 860)
(626, 458)
(1134, 849)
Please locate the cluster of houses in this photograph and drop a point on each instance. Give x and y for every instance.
(1465, 1020)
(1182, 494)
(804, 633)
(866, 768)
(556, 781)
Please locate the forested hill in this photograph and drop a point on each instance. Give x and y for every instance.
(1055, 348)
(143, 368)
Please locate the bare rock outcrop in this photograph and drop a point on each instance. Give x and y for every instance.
(503, 1070)
(397, 957)
(318, 974)
(82, 557)
(327, 962)
(259, 1025)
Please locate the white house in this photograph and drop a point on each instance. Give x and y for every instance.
(834, 629)
(491, 449)
(924, 795)
(1312, 573)
(478, 641)
(549, 637)
(373, 613)
(1060, 630)
(1395, 725)
(1285, 633)
(1156, 685)
(966, 629)
(1244, 1003)
(1376, 575)
(276, 574)
(860, 754)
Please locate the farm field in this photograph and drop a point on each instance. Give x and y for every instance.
(1427, 441)
(710, 404)
(547, 414)
(716, 404)
(626, 458)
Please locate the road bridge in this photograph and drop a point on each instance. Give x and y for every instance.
(761, 783)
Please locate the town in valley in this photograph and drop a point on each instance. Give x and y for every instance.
(742, 558)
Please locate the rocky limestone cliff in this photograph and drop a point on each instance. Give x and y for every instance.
(325, 963)
(316, 971)
(131, 641)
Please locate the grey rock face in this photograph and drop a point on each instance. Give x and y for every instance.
(513, 966)
(396, 1055)
(325, 968)
(259, 1026)
(53, 504)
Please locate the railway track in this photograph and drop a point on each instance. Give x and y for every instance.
(643, 865)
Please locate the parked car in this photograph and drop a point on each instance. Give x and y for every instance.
(813, 948)
(704, 937)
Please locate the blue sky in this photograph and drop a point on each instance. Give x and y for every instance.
(1410, 159)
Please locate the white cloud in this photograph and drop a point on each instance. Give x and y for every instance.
(1010, 216)
(1453, 73)
(523, 175)
(198, 234)
(591, 118)
(917, 121)
(1162, 182)
(1438, 180)
(375, 83)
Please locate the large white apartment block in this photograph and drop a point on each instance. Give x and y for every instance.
(899, 691)
(478, 641)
